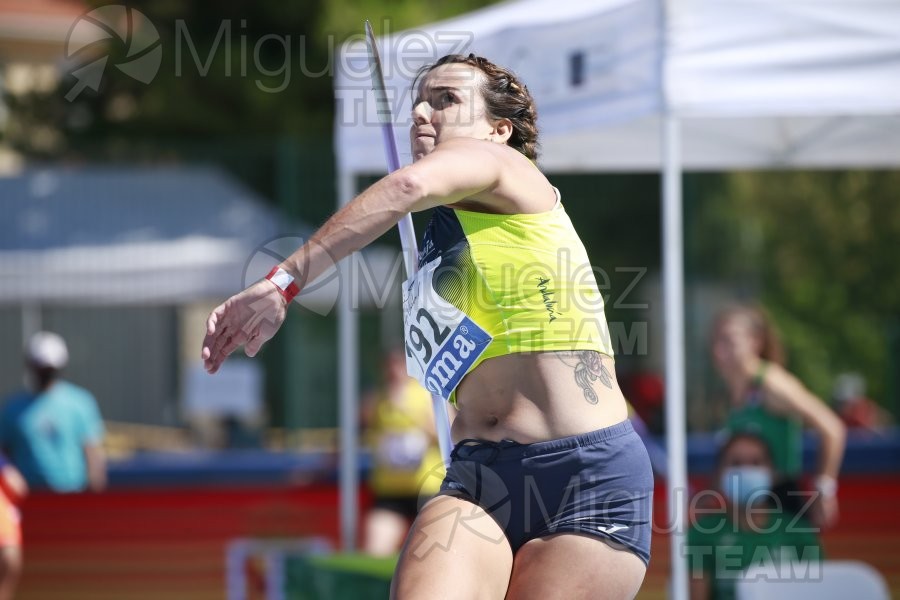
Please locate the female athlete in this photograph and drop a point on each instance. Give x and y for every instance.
(548, 491)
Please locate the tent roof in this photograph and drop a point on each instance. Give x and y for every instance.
(757, 83)
(113, 235)
(56, 209)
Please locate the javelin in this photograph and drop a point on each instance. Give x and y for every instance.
(407, 233)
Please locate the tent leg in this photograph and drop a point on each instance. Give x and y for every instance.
(348, 392)
(673, 301)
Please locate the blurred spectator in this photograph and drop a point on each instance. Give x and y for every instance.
(52, 431)
(769, 401)
(745, 525)
(655, 450)
(645, 392)
(855, 409)
(13, 490)
(406, 462)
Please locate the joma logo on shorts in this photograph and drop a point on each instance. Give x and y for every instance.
(610, 529)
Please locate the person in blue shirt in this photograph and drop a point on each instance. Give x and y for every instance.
(52, 431)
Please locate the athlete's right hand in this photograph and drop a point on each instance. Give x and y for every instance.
(250, 318)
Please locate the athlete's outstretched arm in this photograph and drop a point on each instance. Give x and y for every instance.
(457, 169)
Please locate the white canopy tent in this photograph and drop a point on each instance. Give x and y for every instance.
(638, 85)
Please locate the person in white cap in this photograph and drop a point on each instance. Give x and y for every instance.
(52, 431)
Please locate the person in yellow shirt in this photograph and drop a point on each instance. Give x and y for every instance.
(406, 462)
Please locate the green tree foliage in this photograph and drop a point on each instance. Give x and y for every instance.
(819, 249)
(230, 68)
(343, 18)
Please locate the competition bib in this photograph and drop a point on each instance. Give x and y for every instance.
(442, 342)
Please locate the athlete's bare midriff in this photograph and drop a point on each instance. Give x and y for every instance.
(531, 397)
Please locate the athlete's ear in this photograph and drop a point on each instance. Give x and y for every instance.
(502, 130)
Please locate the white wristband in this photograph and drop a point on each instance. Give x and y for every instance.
(285, 283)
(826, 485)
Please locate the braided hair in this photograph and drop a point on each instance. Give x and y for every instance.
(505, 98)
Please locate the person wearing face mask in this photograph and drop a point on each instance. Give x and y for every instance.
(744, 524)
(52, 431)
(549, 490)
(768, 400)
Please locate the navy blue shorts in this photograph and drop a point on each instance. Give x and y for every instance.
(597, 483)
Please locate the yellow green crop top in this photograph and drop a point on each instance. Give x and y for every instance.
(490, 285)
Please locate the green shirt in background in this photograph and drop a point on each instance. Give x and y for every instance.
(721, 551)
(784, 435)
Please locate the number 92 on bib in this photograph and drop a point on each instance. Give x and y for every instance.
(442, 342)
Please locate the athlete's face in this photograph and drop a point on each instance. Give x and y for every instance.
(448, 104)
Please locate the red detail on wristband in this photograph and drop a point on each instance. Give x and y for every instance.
(290, 291)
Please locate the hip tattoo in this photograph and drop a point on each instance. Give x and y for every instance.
(587, 368)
